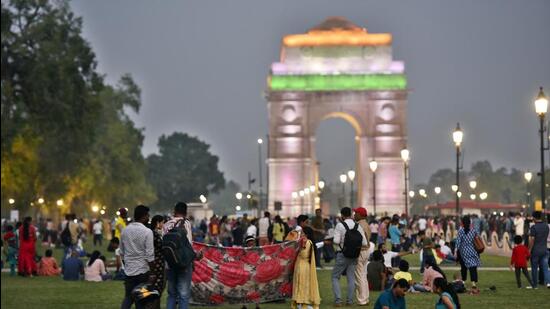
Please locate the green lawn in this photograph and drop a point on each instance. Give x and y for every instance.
(40, 292)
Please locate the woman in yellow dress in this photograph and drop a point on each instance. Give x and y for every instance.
(305, 290)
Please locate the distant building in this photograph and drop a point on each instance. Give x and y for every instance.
(472, 207)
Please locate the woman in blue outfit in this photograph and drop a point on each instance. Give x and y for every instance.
(447, 296)
(467, 255)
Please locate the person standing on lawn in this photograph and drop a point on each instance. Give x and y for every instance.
(343, 263)
(538, 235)
(361, 283)
(179, 280)
(466, 253)
(518, 262)
(26, 265)
(138, 253)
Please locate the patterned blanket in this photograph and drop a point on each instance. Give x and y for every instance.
(243, 275)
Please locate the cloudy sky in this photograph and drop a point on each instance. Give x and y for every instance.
(202, 66)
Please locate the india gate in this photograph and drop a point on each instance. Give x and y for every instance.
(336, 70)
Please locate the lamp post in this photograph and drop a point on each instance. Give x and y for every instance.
(528, 176)
(321, 186)
(373, 166)
(351, 177)
(541, 107)
(405, 156)
(437, 191)
(343, 179)
(260, 142)
(457, 139)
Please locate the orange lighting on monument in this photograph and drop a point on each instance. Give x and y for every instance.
(357, 37)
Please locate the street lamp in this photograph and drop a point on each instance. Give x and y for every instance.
(483, 196)
(411, 193)
(351, 176)
(312, 188)
(321, 184)
(528, 176)
(473, 196)
(343, 179)
(202, 198)
(294, 195)
(238, 208)
(405, 156)
(260, 168)
(437, 191)
(457, 139)
(95, 208)
(239, 195)
(541, 107)
(473, 184)
(422, 192)
(11, 201)
(373, 166)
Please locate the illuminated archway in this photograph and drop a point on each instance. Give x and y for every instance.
(338, 70)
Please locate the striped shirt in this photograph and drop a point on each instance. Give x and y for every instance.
(137, 248)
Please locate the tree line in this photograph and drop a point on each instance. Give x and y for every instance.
(66, 134)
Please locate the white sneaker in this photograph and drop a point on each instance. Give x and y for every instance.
(529, 287)
(548, 285)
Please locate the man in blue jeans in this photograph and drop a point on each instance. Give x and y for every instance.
(537, 246)
(179, 280)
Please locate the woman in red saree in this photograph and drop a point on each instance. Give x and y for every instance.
(27, 240)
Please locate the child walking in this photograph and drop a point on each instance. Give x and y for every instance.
(520, 255)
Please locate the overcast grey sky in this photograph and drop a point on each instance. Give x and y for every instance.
(202, 66)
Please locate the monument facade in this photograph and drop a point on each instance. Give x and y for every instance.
(336, 69)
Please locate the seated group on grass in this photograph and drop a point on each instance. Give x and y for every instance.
(73, 269)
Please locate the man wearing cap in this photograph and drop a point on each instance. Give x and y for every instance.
(361, 283)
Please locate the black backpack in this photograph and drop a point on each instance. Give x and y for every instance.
(176, 248)
(353, 240)
(66, 238)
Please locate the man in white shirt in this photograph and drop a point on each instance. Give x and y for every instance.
(98, 233)
(422, 224)
(252, 230)
(138, 253)
(519, 223)
(389, 255)
(263, 227)
(344, 264)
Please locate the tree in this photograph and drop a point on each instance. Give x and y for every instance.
(49, 90)
(65, 133)
(183, 170)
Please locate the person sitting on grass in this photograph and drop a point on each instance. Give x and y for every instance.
(95, 269)
(404, 273)
(431, 272)
(444, 255)
(447, 296)
(376, 272)
(393, 298)
(518, 262)
(390, 255)
(72, 267)
(458, 284)
(48, 265)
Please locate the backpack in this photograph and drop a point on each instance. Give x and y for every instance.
(176, 248)
(66, 238)
(353, 240)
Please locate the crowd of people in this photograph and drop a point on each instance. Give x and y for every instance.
(355, 241)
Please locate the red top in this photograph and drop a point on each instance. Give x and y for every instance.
(520, 254)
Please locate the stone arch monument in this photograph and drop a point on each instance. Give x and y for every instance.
(336, 69)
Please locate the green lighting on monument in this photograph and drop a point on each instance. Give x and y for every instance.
(338, 82)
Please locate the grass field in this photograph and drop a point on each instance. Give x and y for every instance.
(41, 292)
